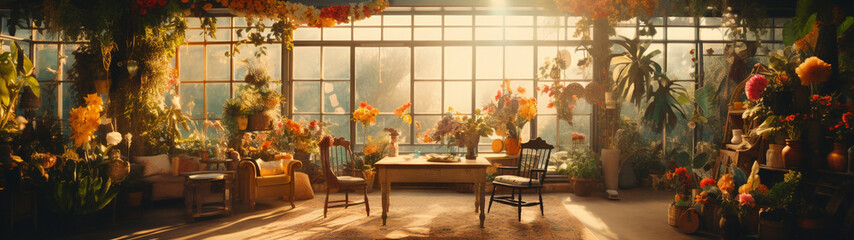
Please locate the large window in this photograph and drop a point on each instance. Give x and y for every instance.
(434, 57)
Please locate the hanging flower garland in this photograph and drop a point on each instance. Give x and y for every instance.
(614, 10)
(301, 14)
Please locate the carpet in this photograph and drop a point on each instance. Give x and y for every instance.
(413, 214)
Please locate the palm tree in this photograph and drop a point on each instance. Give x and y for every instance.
(636, 69)
(664, 106)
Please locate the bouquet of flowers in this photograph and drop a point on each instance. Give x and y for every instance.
(291, 136)
(844, 129)
(793, 125)
(366, 115)
(681, 180)
(509, 111)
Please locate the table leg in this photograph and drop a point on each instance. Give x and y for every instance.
(385, 187)
(481, 198)
(477, 202)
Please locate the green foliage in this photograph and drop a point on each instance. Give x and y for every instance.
(636, 69)
(78, 185)
(665, 105)
(782, 194)
(581, 162)
(16, 72)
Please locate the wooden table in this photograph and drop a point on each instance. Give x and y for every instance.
(195, 205)
(404, 168)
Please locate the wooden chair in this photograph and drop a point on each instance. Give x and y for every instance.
(341, 173)
(530, 173)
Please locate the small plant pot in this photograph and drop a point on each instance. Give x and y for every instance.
(513, 146)
(259, 122)
(242, 122)
(583, 186)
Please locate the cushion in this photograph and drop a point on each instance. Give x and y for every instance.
(184, 163)
(515, 179)
(157, 164)
(348, 180)
(267, 168)
(272, 180)
(302, 188)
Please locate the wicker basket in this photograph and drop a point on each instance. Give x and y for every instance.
(674, 213)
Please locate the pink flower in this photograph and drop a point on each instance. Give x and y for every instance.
(755, 86)
(746, 200)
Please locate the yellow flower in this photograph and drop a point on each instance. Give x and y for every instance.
(85, 120)
(370, 149)
(726, 183)
(813, 70)
(528, 108)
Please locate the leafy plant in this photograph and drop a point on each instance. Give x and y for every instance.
(582, 163)
(635, 69)
(16, 72)
(665, 105)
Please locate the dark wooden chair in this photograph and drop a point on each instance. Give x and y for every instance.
(530, 173)
(341, 173)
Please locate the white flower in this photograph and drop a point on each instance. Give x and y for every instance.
(114, 138)
(22, 122)
(128, 136)
(176, 102)
(691, 125)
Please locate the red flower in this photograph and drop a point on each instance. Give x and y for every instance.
(363, 104)
(707, 182)
(680, 170)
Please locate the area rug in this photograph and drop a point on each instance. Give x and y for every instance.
(414, 214)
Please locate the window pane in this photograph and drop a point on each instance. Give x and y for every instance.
(392, 20)
(428, 20)
(397, 34)
(490, 20)
(306, 62)
(520, 20)
(518, 62)
(490, 63)
(192, 99)
(384, 85)
(270, 55)
(338, 125)
(452, 20)
(427, 94)
(428, 63)
(488, 33)
(68, 54)
(517, 33)
(679, 64)
(458, 96)
(458, 62)
(217, 93)
(428, 34)
(680, 33)
(45, 60)
(376, 131)
(306, 96)
(217, 62)
(458, 34)
(547, 128)
(307, 34)
(427, 122)
(337, 97)
(366, 34)
(336, 33)
(336, 63)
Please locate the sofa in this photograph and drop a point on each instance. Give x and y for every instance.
(164, 174)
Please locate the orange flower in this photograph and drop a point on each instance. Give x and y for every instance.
(207, 6)
(813, 70)
(521, 90)
(371, 149)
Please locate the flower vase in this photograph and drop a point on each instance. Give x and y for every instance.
(736, 136)
(837, 160)
(513, 146)
(471, 147)
(393, 148)
(792, 154)
(774, 156)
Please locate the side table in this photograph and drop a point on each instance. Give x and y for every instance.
(195, 203)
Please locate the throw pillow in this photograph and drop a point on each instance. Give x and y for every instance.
(270, 167)
(154, 165)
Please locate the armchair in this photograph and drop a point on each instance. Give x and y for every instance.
(251, 185)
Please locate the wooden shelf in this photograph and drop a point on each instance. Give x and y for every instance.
(835, 172)
(770, 168)
(736, 112)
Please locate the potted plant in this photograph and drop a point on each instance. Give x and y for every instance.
(776, 220)
(838, 159)
(508, 113)
(793, 153)
(470, 131)
(401, 112)
(583, 168)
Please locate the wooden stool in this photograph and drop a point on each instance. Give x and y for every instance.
(195, 203)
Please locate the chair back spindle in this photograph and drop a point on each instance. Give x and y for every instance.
(534, 159)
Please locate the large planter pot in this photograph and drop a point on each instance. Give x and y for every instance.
(583, 186)
(611, 168)
(792, 154)
(513, 146)
(774, 229)
(259, 122)
(837, 160)
(242, 122)
(730, 229)
(628, 178)
(774, 156)
(102, 86)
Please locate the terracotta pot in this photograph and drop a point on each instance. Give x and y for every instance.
(774, 156)
(730, 228)
(513, 146)
(837, 160)
(583, 186)
(259, 121)
(793, 154)
(773, 230)
(242, 122)
(102, 86)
